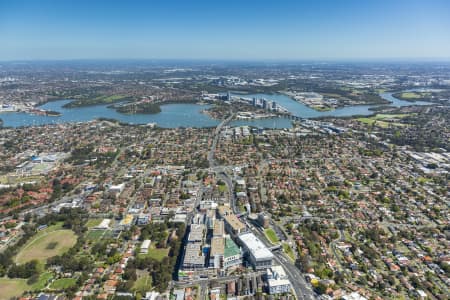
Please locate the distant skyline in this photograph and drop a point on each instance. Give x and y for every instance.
(225, 30)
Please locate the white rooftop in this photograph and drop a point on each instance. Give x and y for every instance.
(279, 272)
(278, 282)
(145, 244)
(104, 224)
(117, 187)
(255, 246)
(354, 296)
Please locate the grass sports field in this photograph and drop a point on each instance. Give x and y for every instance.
(414, 95)
(143, 284)
(384, 120)
(95, 235)
(12, 287)
(156, 253)
(63, 283)
(93, 222)
(47, 244)
(15, 287)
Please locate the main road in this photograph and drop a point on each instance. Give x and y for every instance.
(216, 138)
(301, 288)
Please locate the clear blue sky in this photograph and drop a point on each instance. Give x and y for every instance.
(225, 29)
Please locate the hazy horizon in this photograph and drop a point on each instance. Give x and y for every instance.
(238, 61)
(231, 31)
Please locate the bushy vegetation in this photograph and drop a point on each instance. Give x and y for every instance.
(87, 154)
(24, 271)
(161, 271)
(140, 108)
(97, 100)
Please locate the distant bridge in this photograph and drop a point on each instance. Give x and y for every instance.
(295, 118)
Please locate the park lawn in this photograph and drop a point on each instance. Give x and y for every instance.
(12, 287)
(288, 250)
(371, 121)
(98, 100)
(222, 188)
(93, 222)
(95, 234)
(368, 121)
(113, 98)
(15, 287)
(106, 99)
(39, 168)
(63, 283)
(44, 278)
(143, 284)
(9, 180)
(423, 180)
(50, 228)
(3, 180)
(271, 235)
(37, 249)
(415, 95)
(156, 253)
(392, 116)
(410, 95)
(379, 119)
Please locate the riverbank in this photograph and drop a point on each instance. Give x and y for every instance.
(189, 113)
(43, 112)
(97, 101)
(125, 105)
(139, 108)
(32, 110)
(413, 96)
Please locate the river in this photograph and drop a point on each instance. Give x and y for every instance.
(186, 115)
(171, 115)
